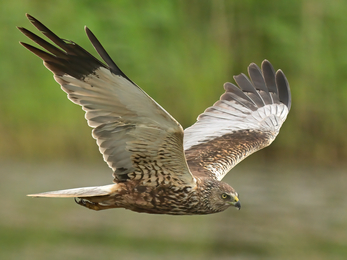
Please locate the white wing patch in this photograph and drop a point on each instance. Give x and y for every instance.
(221, 121)
(244, 120)
(128, 124)
(140, 140)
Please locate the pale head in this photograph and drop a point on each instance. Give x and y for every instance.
(220, 196)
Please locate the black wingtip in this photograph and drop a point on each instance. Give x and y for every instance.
(23, 30)
(266, 66)
(283, 89)
(266, 62)
(31, 18)
(247, 87)
(276, 82)
(253, 65)
(87, 30)
(104, 55)
(280, 86)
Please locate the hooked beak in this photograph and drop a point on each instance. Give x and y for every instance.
(238, 205)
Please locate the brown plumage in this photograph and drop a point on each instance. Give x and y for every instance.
(158, 167)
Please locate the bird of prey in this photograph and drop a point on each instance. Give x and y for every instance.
(157, 166)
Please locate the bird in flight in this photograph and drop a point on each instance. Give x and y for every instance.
(158, 167)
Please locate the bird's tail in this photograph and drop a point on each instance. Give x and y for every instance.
(79, 192)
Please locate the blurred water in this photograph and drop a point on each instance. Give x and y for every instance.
(287, 213)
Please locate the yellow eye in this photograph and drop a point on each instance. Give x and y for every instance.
(224, 196)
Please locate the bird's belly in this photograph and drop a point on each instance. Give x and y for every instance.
(156, 200)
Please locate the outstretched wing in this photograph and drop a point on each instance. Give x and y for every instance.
(138, 138)
(243, 121)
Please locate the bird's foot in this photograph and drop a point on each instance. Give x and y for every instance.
(88, 204)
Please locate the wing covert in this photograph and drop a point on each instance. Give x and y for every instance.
(243, 121)
(137, 137)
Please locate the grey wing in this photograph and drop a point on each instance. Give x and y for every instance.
(243, 121)
(138, 138)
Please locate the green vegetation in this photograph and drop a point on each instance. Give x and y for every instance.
(180, 52)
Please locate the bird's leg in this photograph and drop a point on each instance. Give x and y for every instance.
(91, 205)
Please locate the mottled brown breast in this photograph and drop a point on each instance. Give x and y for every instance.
(161, 199)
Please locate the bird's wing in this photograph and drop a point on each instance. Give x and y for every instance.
(244, 120)
(137, 137)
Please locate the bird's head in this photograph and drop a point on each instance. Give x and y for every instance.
(222, 196)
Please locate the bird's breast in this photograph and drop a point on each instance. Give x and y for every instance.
(161, 199)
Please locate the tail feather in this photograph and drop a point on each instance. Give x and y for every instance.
(78, 192)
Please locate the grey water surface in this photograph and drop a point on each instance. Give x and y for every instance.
(288, 212)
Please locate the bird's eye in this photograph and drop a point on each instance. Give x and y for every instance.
(224, 196)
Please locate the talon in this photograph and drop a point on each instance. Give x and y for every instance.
(80, 201)
(87, 204)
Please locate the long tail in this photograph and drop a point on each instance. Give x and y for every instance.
(78, 192)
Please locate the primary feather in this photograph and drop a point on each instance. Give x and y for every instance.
(158, 167)
(243, 121)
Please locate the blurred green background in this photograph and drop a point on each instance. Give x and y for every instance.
(294, 193)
